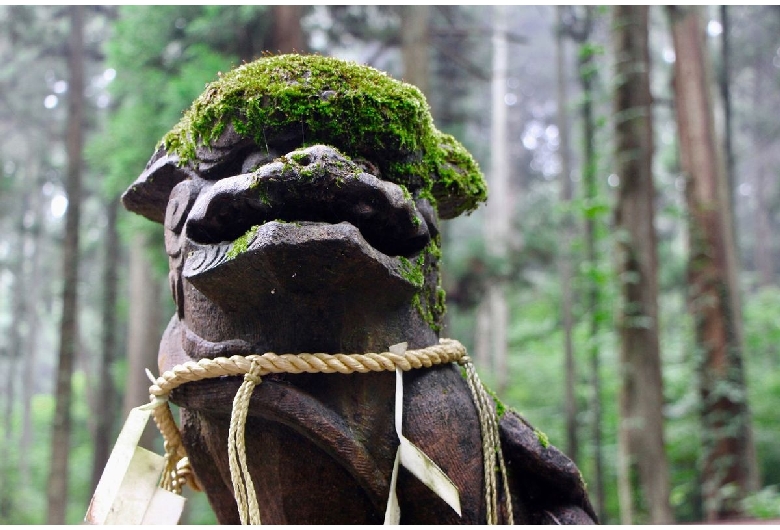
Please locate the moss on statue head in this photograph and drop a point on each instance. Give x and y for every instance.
(357, 109)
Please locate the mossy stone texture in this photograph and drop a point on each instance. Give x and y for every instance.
(310, 99)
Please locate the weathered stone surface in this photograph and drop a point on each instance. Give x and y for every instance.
(276, 246)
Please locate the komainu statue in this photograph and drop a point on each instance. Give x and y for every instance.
(301, 198)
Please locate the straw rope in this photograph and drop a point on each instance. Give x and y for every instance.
(243, 487)
(491, 446)
(446, 351)
(253, 367)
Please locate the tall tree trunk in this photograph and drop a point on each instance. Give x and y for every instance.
(725, 93)
(414, 45)
(60, 439)
(564, 258)
(726, 163)
(287, 32)
(641, 440)
(727, 452)
(586, 72)
(30, 361)
(498, 210)
(107, 397)
(144, 330)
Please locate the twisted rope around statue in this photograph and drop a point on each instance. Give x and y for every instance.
(177, 469)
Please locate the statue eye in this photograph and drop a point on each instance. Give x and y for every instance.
(180, 202)
(257, 159)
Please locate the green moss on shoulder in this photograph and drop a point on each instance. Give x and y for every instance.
(359, 110)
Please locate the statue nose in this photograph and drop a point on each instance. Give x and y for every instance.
(315, 184)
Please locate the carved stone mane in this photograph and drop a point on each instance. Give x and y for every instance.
(300, 197)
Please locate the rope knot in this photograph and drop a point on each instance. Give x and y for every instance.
(465, 360)
(252, 378)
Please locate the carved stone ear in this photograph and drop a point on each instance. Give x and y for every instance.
(148, 195)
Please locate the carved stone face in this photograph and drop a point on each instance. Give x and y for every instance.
(284, 231)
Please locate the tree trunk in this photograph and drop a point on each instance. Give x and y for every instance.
(107, 399)
(30, 366)
(498, 210)
(143, 330)
(726, 459)
(586, 72)
(287, 33)
(641, 440)
(564, 258)
(414, 45)
(60, 439)
(725, 93)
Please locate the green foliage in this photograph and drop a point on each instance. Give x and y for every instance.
(764, 504)
(28, 498)
(762, 360)
(589, 50)
(163, 57)
(28, 501)
(159, 70)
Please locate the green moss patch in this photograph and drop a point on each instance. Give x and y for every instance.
(423, 273)
(543, 439)
(240, 245)
(357, 109)
(500, 407)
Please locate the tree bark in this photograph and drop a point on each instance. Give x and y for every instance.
(287, 33)
(144, 330)
(586, 73)
(498, 210)
(641, 440)
(564, 258)
(60, 439)
(108, 405)
(725, 93)
(726, 459)
(414, 45)
(763, 247)
(29, 369)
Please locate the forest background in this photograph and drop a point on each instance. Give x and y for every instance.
(619, 289)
